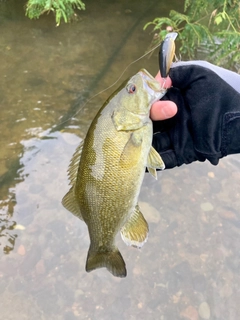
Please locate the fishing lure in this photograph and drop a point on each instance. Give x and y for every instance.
(166, 53)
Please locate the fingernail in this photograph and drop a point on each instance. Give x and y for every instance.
(167, 112)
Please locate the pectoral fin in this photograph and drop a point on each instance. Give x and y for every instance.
(132, 149)
(154, 161)
(135, 231)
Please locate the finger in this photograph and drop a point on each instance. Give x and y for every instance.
(162, 110)
(168, 81)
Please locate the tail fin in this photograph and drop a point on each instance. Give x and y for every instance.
(112, 260)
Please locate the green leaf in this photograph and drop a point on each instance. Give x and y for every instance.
(200, 26)
(218, 19)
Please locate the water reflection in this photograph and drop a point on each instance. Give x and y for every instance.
(7, 236)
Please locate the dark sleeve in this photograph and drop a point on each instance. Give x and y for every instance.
(207, 125)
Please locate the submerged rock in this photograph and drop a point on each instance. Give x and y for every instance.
(204, 310)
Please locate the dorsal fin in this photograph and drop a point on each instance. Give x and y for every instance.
(74, 164)
(69, 200)
(70, 203)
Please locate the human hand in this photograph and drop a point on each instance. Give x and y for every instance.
(162, 110)
(207, 122)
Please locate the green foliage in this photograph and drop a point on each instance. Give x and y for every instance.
(212, 26)
(63, 9)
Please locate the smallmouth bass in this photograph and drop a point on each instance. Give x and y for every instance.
(107, 170)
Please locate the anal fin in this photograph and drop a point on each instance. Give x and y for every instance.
(135, 231)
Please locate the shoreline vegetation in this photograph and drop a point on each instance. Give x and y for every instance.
(211, 27)
(203, 26)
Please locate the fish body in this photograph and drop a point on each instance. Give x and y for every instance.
(107, 170)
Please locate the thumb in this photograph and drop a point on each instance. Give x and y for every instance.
(162, 110)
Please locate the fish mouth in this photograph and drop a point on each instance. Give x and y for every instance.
(152, 86)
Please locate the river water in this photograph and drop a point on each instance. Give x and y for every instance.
(188, 269)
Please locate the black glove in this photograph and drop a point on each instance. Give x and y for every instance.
(207, 124)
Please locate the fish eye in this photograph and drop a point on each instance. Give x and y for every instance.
(131, 88)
